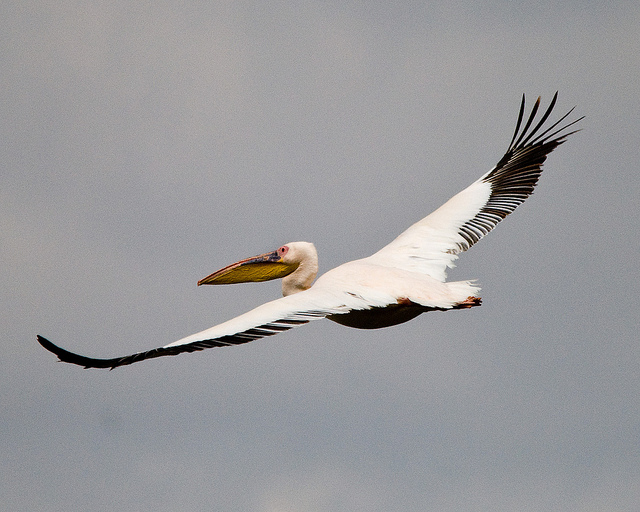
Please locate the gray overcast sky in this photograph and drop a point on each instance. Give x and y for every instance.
(148, 144)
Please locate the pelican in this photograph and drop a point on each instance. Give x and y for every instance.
(399, 282)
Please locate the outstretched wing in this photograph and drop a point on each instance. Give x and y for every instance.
(266, 320)
(431, 245)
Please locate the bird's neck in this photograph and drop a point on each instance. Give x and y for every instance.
(301, 278)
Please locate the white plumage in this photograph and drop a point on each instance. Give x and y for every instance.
(399, 282)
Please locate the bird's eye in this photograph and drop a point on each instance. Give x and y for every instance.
(283, 250)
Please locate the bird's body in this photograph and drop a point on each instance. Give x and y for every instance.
(399, 282)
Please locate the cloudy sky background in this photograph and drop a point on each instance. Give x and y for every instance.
(145, 145)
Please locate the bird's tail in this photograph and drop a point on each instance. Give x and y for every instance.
(469, 302)
(468, 291)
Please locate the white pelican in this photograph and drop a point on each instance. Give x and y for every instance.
(394, 285)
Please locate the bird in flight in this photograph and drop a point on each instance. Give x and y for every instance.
(399, 282)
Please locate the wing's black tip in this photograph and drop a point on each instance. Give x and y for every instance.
(515, 176)
(47, 344)
(69, 357)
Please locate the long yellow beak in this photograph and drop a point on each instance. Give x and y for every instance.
(264, 267)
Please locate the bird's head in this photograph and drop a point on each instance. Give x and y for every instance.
(295, 262)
